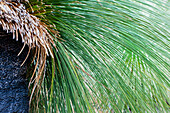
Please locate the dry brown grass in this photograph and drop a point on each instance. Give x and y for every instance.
(15, 19)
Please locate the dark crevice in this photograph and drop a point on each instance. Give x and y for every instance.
(13, 83)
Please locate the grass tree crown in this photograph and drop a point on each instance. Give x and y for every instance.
(111, 55)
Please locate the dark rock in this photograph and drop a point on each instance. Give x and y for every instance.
(13, 83)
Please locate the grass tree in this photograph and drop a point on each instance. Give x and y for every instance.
(93, 55)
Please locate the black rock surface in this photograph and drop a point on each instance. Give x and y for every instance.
(13, 83)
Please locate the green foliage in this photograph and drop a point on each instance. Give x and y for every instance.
(112, 55)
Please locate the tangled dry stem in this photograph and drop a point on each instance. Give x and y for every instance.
(15, 19)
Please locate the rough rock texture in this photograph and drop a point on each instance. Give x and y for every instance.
(13, 83)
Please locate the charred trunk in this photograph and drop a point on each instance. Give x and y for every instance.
(13, 83)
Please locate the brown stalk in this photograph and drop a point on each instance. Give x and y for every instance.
(35, 34)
